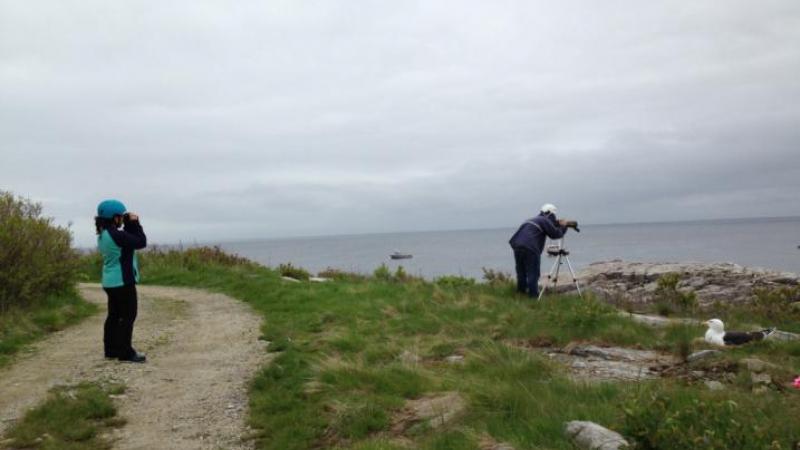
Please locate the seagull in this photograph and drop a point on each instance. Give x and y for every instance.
(716, 334)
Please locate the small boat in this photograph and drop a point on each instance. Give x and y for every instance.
(398, 255)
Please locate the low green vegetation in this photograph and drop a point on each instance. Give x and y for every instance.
(72, 417)
(22, 326)
(352, 353)
(38, 270)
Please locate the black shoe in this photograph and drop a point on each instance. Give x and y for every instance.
(111, 356)
(135, 358)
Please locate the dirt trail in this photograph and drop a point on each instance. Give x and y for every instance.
(202, 349)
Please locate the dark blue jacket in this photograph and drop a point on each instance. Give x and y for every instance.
(532, 233)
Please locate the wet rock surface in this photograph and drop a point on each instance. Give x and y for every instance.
(636, 282)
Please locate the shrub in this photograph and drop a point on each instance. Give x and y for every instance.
(657, 421)
(36, 258)
(341, 275)
(496, 277)
(454, 281)
(667, 295)
(382, 273)
(298, 273)
(774, 303)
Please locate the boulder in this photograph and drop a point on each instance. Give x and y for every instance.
(757, 365)
(702, 354)
(714, 385)
(760, 378)
(591, 436)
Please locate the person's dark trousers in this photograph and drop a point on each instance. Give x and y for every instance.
(527, 265)
(118, 329)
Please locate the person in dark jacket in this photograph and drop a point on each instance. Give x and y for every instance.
(120, 275)
(528, 244)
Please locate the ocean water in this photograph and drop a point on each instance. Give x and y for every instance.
(770, 243)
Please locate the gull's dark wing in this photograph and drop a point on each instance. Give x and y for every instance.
(741, 337)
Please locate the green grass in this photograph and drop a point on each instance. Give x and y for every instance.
(20, 327)
(350, 353)
(72, 417)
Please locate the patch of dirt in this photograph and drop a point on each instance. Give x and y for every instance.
(202, 350)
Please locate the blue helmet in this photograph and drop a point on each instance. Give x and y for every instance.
(107, 209)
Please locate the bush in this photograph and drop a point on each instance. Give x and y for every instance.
(382, 273)
(36, 258)
(454, 281)
(496, 277)
(341, 275)
(298, 273)
(667, 295)
(657, 421)
(774, 303)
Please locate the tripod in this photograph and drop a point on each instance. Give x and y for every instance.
(561, 254)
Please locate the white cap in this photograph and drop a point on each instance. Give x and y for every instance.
(548, 208)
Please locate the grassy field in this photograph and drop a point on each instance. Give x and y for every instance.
(20, 327)
(353, 352)
(71, 418)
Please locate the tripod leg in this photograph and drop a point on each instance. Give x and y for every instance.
(553, 273)
(574, 278)
(558, 269)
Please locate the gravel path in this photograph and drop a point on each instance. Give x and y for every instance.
(202, 349)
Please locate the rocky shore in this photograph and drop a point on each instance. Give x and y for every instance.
(636, 282)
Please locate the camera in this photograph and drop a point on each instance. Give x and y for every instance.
(572, 224)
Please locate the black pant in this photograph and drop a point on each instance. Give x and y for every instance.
(527, 265)
(118, 329)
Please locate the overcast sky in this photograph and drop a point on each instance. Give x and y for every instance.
(222, 120)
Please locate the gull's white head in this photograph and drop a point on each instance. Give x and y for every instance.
(716, 325)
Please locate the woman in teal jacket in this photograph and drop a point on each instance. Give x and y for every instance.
(120, 275)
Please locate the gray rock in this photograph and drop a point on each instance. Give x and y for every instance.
(779, 335)
(757, 365)
(590, 363)
(714, 385)
(455, 359)
(591, 436)
(432, 411)
(290, 279)
(760, 378)
(703, 354)
(409, 358)
(318, 279)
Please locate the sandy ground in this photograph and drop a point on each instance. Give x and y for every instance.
(202, 350)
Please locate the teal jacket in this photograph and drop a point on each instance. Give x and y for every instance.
(118, 247)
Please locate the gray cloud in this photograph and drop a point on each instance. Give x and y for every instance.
(228, 121)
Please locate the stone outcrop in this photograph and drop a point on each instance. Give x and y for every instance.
(431, 411)
(636, 282)
(591, 436)
(590, 363)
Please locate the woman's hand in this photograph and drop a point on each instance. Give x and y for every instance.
(133, 217)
